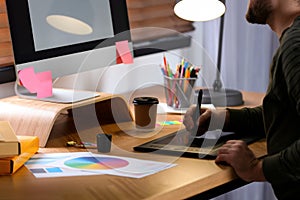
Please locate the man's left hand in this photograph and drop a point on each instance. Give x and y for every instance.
(237, 154)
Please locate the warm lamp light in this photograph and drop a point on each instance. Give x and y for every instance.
(199, 10)
(205, 10)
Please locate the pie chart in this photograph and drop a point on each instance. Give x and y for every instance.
(96, 163)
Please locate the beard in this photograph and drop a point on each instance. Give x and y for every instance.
(258, 11)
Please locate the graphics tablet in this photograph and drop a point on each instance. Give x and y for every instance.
(180, 143)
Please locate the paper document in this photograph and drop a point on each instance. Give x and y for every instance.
(164, 108)
(86, 163)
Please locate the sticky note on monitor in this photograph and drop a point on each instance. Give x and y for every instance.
(40, 83)
(28, 79)
(45, 88)
(124, 54)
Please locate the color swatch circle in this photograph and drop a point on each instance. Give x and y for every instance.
(96, 163)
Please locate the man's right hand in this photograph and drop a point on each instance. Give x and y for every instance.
(208, 120)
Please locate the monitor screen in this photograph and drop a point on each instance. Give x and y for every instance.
(66, 36)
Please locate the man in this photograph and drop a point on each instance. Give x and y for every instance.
(278, 117)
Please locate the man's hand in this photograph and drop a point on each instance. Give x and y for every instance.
(237, 154)
(208, 120)
(202, 122)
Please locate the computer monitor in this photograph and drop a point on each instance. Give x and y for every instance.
(43, 37)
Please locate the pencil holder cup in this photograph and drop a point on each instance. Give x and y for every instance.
(179, 91)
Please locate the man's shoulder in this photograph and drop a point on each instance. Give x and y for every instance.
(290, 37)
(294, 29)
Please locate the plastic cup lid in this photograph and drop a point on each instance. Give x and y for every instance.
(145, 100)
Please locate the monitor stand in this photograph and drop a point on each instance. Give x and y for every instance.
(60, 95)
(37, 118)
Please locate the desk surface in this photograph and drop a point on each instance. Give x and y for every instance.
(188, 178)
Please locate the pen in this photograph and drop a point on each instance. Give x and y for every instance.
(198, 110)
(81, 145)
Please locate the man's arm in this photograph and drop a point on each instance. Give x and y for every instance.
(284, 166)
(236, 152)
(246, 120)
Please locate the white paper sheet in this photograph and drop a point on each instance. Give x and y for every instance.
(164, 108)
(86, 163)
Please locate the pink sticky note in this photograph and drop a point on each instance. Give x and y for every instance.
(44, 76)
(29, 79)
(40, 83)
(123, 52)
(44, 89)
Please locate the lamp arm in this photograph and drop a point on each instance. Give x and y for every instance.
(217, 85)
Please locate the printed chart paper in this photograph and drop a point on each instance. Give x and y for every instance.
(86, 163)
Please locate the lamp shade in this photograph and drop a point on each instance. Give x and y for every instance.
(199, 10)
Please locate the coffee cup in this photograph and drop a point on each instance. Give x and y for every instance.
(145, 111)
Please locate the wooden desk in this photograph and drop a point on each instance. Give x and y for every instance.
(189, 178)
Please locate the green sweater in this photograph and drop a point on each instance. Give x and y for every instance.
(279, 117)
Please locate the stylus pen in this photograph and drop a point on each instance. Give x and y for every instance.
(198, 110)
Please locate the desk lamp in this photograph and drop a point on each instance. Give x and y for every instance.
(205, 10)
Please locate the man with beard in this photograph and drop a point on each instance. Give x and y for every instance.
(279, 115)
